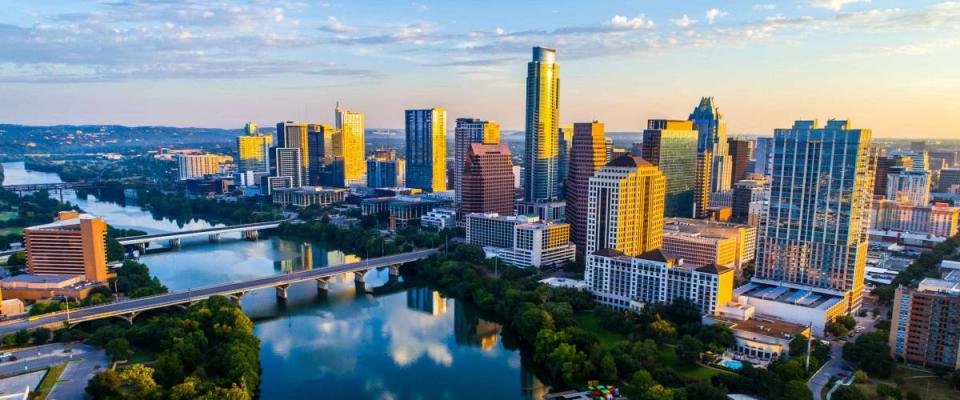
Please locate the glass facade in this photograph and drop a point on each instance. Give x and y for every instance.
(541, 149)
(426, 132)
(672, 146)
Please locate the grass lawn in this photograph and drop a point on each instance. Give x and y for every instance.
(142, 356)
(921, 382)
(588, 321)
(10, 231)
(46, 385)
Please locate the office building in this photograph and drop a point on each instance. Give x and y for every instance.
(884, 164)
(73, 245)
(324, 165)
(566, 146)
(198, 165)
(924, 329)
(815, 235)
(487, 180)
(524, 241)
(384, 169)
(253, 153)
(712, 136)
(426, 159)
(625, 208)
(944, 159)
(295, 135)
(739, 157)
(909, 185)
(350, 145)
(701, 242)
(439, 219)
(469, 131)
(586, 157)
(750, 201)
(763, 156)
(949, 180)
(287, 164)
(702, 184)
(672, 146)
(626, 282)
(406, 210)
(541, 147)
(306, 196)
(250, 129)
(938, 219)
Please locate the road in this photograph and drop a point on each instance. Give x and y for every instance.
(73, 381)
(187, 296)
(837, 364)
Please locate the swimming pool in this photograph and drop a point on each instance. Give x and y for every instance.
(732, 364)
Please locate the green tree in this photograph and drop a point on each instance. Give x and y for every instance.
(797, 390)
(657, 392)
(41, 336)
(704, 391)
(531, 320)
(22, 337)
(689, 349)
(848, 393)
(662, 330)
(640, 383)
(118, 349)
(871, 353)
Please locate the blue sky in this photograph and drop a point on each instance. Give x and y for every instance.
(887, 65)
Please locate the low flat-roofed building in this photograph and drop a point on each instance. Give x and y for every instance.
(305, 196)
(758, 337)
(11, 307)
(523, 240)
(439, 219)
(37, 287)
(559, 282)
(793, 303)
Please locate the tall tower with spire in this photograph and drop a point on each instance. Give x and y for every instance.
(712, 136)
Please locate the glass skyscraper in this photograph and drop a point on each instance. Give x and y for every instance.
(712, 136)
(815, 233)
(541, 150)
(426, 132)
(350, 144)
(671, 145)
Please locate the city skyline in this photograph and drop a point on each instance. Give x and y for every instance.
(170, 63)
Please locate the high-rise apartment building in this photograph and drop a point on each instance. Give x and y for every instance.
(586, 157)
(287, 164)
(384, 169)
(253, 153)
(541, 148)
(350, 144)
(75, 244)
(924, 329)
(487, 180)
(883, 166)
(816, 232)
(750, 201)
(672, 146)
(936, 220)
(292, 134)
(467, 132)
(198, 165)
(426, 132)
(625, 208)
(712, 135)
(324, 164)
(910, 185)
(740, 157)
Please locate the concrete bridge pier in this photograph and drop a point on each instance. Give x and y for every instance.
(236, 297)
(142, 247)
(394, 271)
(323, 284)
(214, 238)
(174, 243)
(282, 292)
(251, 235)
(358, 276)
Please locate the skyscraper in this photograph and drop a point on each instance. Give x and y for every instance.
(587, 155)
(908, 185)
(625, 210)
(739, 158)
(467, 132)
(253, 153)
(350, 145)
(294, 135)
(487, 181)
(384, 169)
(287, 164)
(701, 190)
(671, 145)
(426, 132)
(712, 135)
(541, 149)
(762, 155)
(563, 165)
(816, 231)
(325, 163)
(250, 129)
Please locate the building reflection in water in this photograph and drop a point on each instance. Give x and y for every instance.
(305, 256)
(426, 300)
(532, 388)
(470, 329)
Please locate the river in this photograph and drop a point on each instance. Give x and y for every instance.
(411, 344)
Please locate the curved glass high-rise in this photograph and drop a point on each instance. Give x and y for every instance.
(541, 151)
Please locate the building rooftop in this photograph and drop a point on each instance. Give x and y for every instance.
(629, 161)
(30, 278)
(940, 286)
(764, 325)
(67, 220)
(788, 295)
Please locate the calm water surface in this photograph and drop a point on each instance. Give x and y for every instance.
(349, 343)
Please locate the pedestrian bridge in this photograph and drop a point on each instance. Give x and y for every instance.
(249, 232)
(129, 309)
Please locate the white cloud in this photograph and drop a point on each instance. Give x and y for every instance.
(714, 13)
(764, 6)
(334, 25)
(499, 31)
(834, 5)
(684, 21)
(638, 22)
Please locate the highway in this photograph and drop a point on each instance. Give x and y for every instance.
(188, 296)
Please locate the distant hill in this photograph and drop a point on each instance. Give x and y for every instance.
(24, 139)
